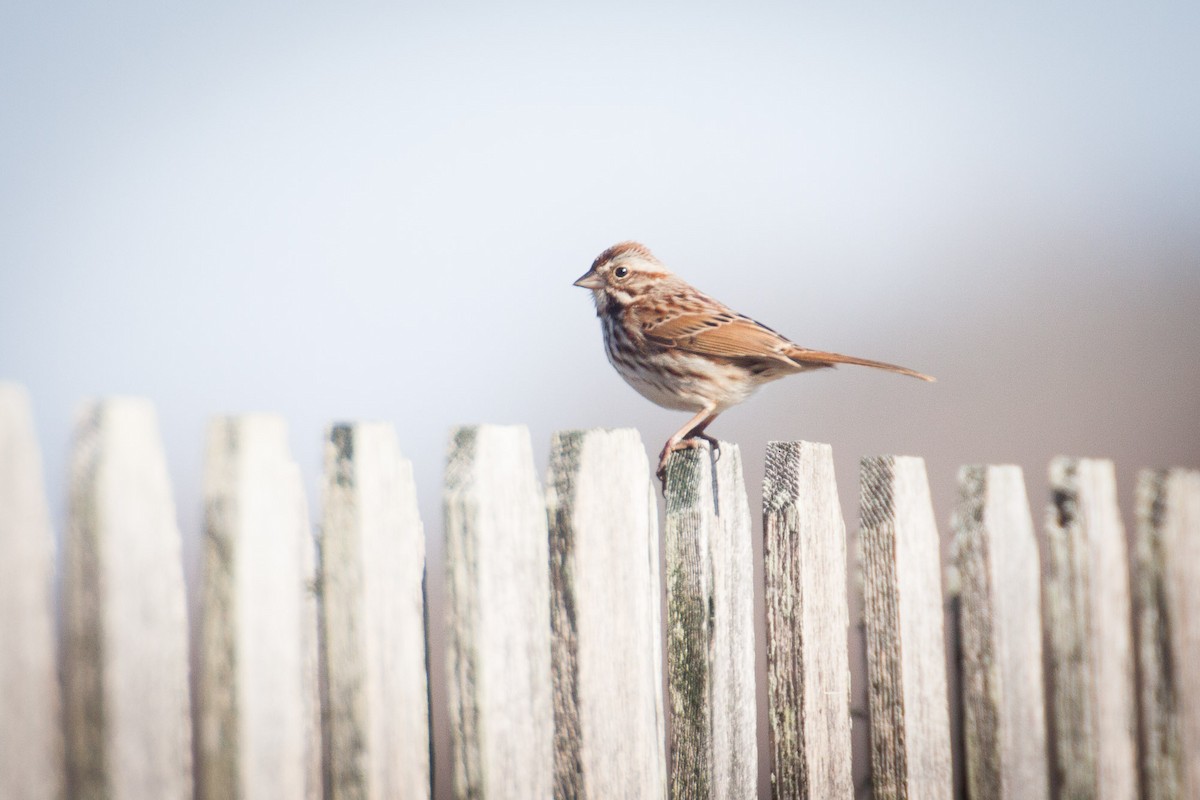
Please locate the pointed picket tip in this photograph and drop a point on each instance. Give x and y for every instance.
(31, 745)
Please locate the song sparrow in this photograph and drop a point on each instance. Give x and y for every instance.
(683, 350)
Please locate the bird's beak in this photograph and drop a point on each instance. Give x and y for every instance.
(590, 280)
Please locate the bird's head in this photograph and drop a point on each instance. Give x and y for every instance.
(621, 274)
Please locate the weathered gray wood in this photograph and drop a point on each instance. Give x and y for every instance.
(710, 621)
(1167, 594)
(910, 726)
(257, 692)
(1000, 625)
(372, 614)
(609, 729)
(808, 670)
(125, 649)
(1087, 618)
(30, 734)
(498, 597)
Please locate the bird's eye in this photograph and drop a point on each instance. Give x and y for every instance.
(621, 272)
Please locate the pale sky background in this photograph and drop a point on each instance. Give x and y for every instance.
(377, 212)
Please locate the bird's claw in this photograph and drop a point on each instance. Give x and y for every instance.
(689, 443)
(661, 472)
(714, 443)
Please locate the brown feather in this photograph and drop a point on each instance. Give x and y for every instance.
(636, 249)
(710, 329)
(818, 358)
(721, 333)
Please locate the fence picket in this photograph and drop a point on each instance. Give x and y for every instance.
(372, 619)
(910, 726)
(1087, 617)
(30, 735)
(710, 620)
(1004, 720)
(257, 692)
(606, 618)
(125, 649)
(1167, 595)
(808, 670)
(498, 596)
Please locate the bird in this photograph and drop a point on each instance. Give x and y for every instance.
(685, 351)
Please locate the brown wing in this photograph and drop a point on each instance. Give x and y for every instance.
(721, 333)
(709, 329)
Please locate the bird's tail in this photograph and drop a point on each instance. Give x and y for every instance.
(816, 358)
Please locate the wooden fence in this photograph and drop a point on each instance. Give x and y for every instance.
(312, 674)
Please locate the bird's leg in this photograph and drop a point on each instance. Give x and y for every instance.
(698, 433)
(685, 438)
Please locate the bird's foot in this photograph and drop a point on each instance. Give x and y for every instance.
(713, 442)
(661, 472)
(690, 443)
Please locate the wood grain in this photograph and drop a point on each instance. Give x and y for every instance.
(125, 649)
(372, 581)
(808, 670)
(498, 596)
(710, 621)
(1087, 618)
(910, 727)
(607, 618)
(1000, 624)
(1167, 594)
(31, 747)
(259, 716)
